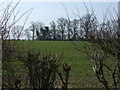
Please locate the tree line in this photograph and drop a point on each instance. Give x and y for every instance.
(72, 30)
(64, 29)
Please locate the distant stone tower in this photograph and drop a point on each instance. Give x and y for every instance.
(45, 32)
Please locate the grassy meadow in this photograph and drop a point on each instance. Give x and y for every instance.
(81, 75)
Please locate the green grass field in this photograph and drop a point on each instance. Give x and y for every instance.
(81, 75)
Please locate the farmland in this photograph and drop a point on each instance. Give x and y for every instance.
(81, 75)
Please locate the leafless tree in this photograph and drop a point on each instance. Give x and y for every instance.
(35, 27)
(89, 24)
(61, 26)
(53, 27)
(27, 34)
(103, 44)
(8, 20)
(16, 32)
(75, 24)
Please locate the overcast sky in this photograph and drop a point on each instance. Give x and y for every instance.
(47, 11)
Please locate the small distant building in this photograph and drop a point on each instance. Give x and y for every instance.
(45, 33)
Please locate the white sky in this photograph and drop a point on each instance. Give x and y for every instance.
(47, 10)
